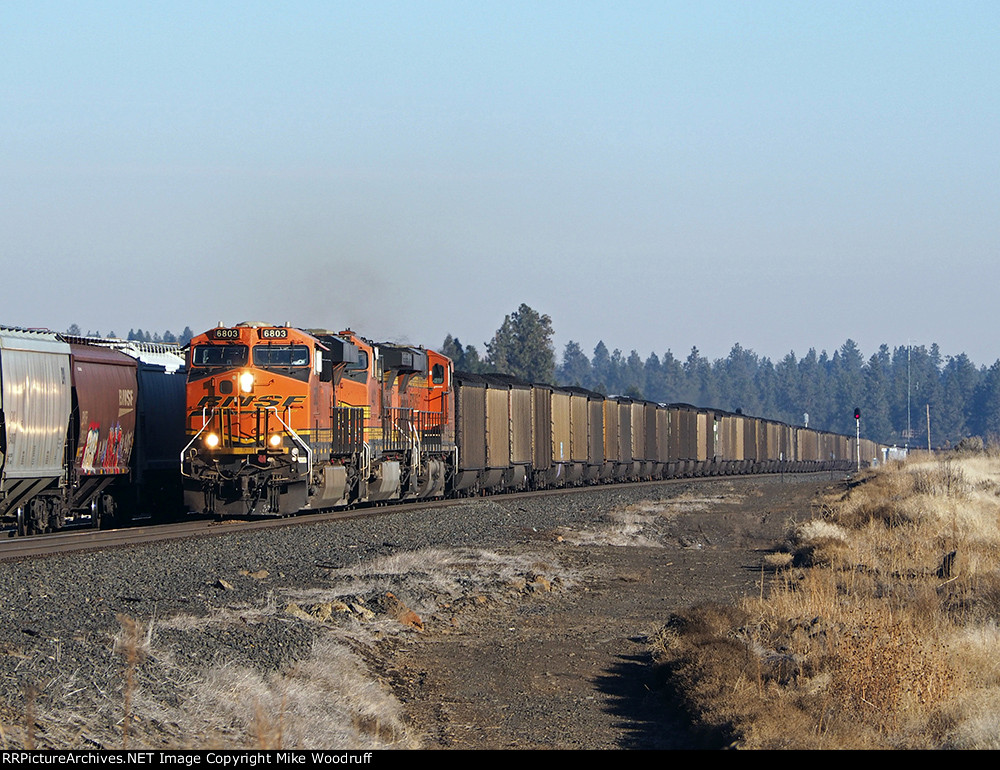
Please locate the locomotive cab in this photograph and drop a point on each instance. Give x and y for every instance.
(253, 391)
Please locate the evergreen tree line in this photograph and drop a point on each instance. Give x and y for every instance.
(138, 335)
(894, 388)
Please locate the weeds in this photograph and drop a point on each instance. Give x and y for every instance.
(129, 644)
(881, 633)
(321, 695)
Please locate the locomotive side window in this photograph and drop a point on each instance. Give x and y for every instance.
(359, 371)
(219, 355)
(284, 356)
(437, 374)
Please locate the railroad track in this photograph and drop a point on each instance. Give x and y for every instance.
(78, 540)
(81, 540)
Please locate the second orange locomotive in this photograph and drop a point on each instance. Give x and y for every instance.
(282, 420)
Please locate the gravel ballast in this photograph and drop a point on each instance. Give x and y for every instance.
(286, 637)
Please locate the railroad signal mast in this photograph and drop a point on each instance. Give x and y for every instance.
(857, 443)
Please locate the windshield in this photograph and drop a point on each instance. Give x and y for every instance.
(219, 355)
(266, 356)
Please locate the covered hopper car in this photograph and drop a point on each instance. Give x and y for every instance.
(87, 429)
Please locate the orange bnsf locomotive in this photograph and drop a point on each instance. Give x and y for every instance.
(281, 420)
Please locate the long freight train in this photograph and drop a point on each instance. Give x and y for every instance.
(89, 430)
(282, 420)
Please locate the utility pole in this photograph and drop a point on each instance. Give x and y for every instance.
(906, 444)
(928, 427)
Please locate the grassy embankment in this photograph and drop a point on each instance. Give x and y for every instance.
(879, 630)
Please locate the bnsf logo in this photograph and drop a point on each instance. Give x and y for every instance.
(126, 397)
(249, 402)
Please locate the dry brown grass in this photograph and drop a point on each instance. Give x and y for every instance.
(132, 644)
(882, 632)
(334, 697)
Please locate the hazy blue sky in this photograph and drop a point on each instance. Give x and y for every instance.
(658, 175)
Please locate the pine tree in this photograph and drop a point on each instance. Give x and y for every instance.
(672, 378)
(522, 346)
(452, 348)
(601, 366)
(700, 388)
(848, 381)
(575, 367)
(875, 405)
(653, 375)
(960, 379)
(634, 376)
(465, 359)
(500, 349)
(787, 391)
(735, 378)
(987, 411)
(616, 382)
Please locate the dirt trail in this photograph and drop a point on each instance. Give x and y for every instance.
(569, 668)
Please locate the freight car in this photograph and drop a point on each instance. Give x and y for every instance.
(281, 420)
(85, 429)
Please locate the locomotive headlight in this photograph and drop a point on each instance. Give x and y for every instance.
(212, 440)
(246, 382)
(275, 440)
